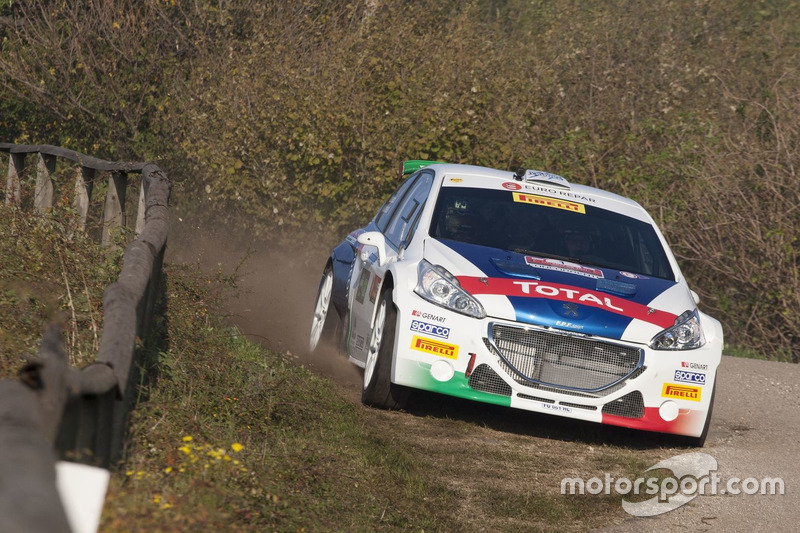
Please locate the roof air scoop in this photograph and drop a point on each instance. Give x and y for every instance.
(544, 178)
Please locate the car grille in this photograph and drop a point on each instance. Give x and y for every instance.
(563, 361)
(630, 406)
(483, 378)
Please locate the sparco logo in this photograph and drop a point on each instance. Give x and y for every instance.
(690, 377)
(430, 329)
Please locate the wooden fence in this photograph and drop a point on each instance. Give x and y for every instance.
(55, 409)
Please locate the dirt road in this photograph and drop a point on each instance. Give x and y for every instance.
(754, 433)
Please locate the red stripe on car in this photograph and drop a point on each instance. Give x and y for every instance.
(566, 293)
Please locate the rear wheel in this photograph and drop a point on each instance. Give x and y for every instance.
(325, 323)
(378, 389)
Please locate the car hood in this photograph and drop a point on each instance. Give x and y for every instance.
(567, 296)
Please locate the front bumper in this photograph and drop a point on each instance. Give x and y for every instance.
(555, 372)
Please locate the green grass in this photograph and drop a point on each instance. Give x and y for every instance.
(305, 459)
(230, 436)
(747, 353)
(50, 270)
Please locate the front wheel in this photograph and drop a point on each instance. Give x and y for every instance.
(699, 442)
(325, 323)
(378, 389)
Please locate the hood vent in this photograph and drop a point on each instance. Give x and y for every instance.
(618, 288)
(518, 270)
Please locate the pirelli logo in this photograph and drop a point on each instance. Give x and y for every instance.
(681, 392)
(546, 201)
(433, 347)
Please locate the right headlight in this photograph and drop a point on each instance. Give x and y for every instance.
(440, 287)
(686, 334)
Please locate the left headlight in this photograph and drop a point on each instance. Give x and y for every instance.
(686, 334)
(440, 287)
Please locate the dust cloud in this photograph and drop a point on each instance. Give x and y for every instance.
(275, 293)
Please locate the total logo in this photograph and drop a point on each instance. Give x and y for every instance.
(690, 377)
(694, 366)
(427, 316)
(430, 329)
(527, 287)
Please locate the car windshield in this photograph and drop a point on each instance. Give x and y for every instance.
(599, 237)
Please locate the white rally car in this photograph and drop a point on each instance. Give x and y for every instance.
(521, 289)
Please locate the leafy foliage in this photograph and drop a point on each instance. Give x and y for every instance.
(49, 269)
(282, 116)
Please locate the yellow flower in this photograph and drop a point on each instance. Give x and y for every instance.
(236, 447)
(167, 470)
(185, 449)
(187, 438)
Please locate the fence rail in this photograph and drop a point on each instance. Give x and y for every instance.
(55, 408)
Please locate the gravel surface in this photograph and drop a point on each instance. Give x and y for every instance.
(754, 431)
(754, 434)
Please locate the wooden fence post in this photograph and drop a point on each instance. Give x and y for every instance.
(86, 410)
(16, 164)
(114, 212)
(141, 208)
(43, 196)
(83, 192)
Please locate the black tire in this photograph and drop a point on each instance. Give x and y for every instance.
(325, 324)
(378, 389)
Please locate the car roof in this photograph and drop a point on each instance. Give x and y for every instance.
(490, 178)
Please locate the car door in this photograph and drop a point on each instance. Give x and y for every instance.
(368, 273)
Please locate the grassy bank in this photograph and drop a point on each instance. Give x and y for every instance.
(50, 270)
(230, 436)
(235, 437)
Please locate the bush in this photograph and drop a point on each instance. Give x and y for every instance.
(287, 117)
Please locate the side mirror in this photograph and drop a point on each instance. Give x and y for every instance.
(376, 239)
(695, 297)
